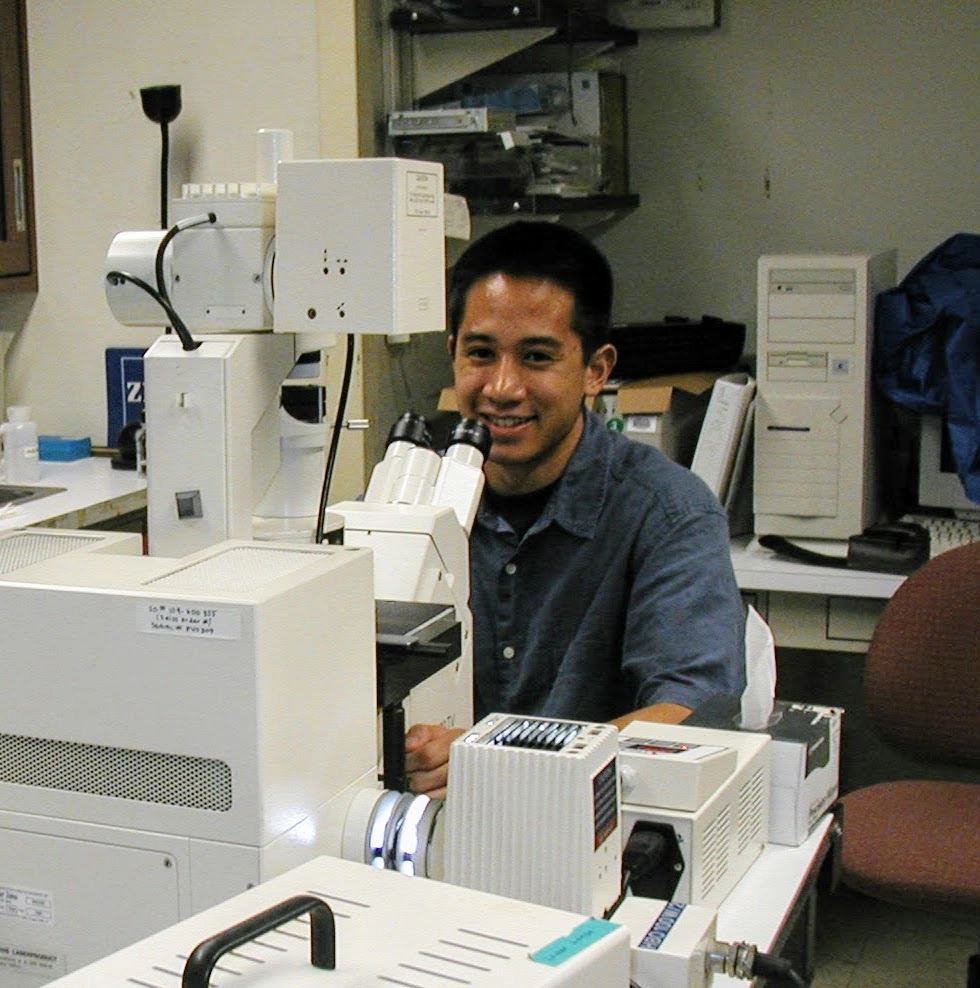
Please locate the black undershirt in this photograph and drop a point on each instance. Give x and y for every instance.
(520, 511)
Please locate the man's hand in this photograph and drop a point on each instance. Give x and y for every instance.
(427, 758)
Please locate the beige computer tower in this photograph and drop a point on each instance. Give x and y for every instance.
(815, 424)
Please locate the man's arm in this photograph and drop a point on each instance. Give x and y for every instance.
(660, 713)
(685, 620)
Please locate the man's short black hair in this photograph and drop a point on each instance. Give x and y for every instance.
(536, 249)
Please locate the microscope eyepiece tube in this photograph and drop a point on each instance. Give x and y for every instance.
(412, 428)
(409, 432)
(417, 477)
(473, 433)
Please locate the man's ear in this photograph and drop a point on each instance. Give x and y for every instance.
(599, 368)
(451, 346)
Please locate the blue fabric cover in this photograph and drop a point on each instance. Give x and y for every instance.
(927, 346)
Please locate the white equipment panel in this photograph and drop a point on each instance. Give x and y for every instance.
(360, 247)
(540, 798)
(390, 929)
(171, 732)
(725, 833)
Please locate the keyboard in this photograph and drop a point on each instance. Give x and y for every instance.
(947, 533)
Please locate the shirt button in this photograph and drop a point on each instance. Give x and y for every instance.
(508, 652)
(510, 569)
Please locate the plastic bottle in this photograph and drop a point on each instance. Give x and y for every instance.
(20, 450)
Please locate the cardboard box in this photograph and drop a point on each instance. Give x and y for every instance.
(804, 761)
(666, 412)
(805, 768)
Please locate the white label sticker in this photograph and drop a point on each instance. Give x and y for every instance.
(192, 620)
(424, 193)
(14, 958)
(37, 907)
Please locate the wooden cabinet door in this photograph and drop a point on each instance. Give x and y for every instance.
(17, 260)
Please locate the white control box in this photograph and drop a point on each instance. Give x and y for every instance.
(360, 247)
(719, 839)
(814, 424)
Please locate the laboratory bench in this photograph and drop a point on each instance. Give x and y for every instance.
(812, 607)
(86, 493)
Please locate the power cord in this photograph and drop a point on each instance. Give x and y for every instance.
(187, 342)
(744, 960)
(159, 293)
(178, 227)
(321, 514)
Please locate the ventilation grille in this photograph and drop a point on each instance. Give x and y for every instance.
(122, 773)
(717, 840)
(751, 810)
(27, 548)
(541, 735)
(239, 569)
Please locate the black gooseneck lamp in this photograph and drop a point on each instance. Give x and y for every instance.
(162, 105)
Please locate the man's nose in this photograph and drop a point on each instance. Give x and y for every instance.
(505, 382)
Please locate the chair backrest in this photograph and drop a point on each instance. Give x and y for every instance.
(922, 676)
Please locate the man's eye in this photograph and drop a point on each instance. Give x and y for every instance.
(479, 353)
(538, 357)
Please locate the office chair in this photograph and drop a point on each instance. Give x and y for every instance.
(918, 842)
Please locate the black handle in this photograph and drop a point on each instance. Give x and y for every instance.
(323, 938)
(393, 747)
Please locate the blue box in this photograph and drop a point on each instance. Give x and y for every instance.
(124, 389)
(63, 449)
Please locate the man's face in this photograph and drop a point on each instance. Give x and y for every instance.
(520, 369)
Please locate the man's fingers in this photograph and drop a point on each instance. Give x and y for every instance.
(431, 783)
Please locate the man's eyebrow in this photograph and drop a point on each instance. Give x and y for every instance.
(549, 342)
(474, 336)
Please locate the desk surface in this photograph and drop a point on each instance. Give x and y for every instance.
(756, 910)
(757, 568)
(94, 492)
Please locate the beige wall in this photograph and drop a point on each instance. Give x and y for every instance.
(241, 65)
(796, 126)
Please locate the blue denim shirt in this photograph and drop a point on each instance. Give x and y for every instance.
(620, 595)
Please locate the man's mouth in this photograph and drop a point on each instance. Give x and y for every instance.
(506, 421)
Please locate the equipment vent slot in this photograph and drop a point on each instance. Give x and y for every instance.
(541, 735)
(27, 548)
(717, 838)
(239, 569)
(750, 811)
(121, 773)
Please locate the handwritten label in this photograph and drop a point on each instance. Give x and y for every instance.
(581, 938)
(192, 620)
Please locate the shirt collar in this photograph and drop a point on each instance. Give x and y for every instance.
(580, 491)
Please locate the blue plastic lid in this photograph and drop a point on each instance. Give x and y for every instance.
(63, 449)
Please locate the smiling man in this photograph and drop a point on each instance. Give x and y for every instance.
(602, 585)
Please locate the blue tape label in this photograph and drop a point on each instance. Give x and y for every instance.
(655, 936)
(566, 947)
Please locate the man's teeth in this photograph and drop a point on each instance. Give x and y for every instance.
(507, 421)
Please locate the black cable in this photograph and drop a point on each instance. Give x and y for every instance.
(777, 969)
(164, 158)
(321, 513)
(165, 242)
(621, 898)
(187, 342)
